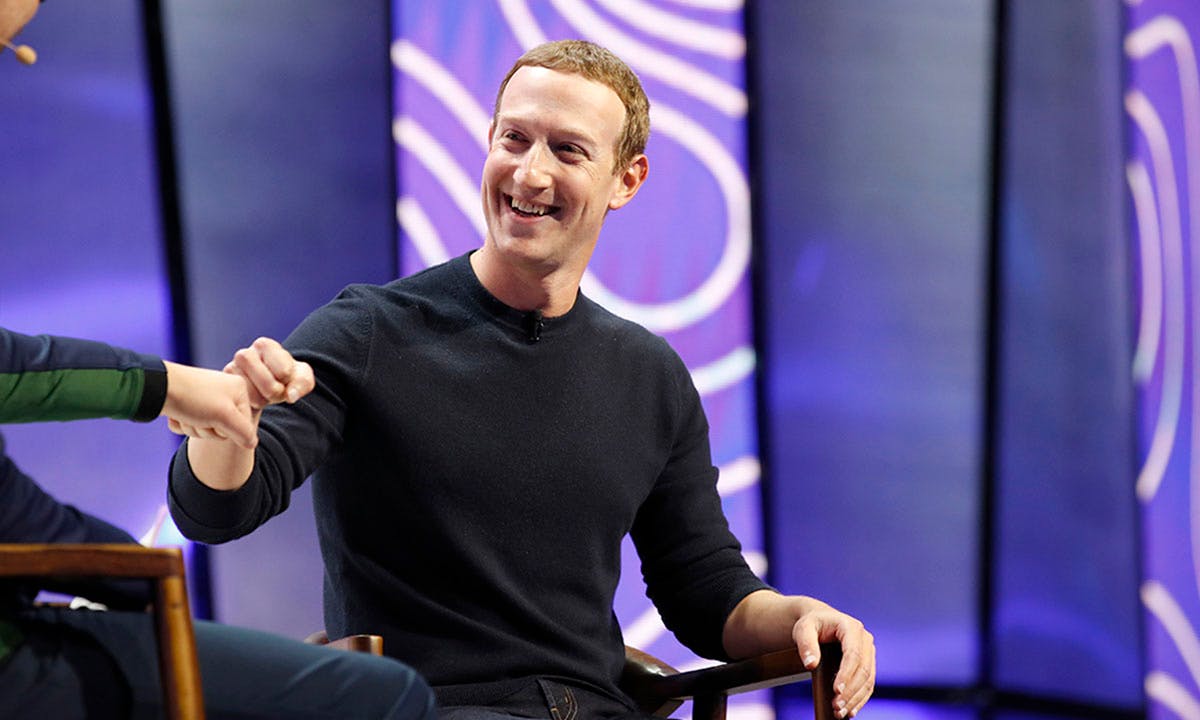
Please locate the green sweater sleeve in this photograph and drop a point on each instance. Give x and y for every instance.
(48, 377)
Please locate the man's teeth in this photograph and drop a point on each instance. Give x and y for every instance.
(528, 209)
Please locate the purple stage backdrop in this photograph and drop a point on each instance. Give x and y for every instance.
(675, 260)
(1162, 103)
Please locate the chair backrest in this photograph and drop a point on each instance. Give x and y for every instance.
(179, 668)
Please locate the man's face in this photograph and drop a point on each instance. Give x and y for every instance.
(549, 178)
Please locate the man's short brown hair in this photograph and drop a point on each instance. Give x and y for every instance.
(598, 64)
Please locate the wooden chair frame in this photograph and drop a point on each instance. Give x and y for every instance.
(178, 666)
(660, 689)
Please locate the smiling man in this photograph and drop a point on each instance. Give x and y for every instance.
(555, 167)
(483, 436)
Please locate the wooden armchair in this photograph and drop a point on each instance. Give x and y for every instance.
(164, 567)
(659, 688)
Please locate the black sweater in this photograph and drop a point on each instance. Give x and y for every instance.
(472, 485)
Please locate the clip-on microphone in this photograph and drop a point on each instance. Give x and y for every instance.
(24, 53)
(533, 325)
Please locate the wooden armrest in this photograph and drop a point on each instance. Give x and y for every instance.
(637, 678)
(640, 664)
(89, 560)
(370, 644)
(777, 668)
(709, 685)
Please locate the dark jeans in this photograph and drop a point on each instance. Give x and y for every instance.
(84, 664)
(548, 699)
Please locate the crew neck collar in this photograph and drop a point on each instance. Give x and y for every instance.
(518, 320)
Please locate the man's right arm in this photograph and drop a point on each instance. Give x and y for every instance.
(220, 464)
(273, 376)
(219, 492)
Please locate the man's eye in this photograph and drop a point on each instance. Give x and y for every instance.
(570, 149)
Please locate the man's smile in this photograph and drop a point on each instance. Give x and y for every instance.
(530, 209)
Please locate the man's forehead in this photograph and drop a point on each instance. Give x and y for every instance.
(534, 92)
(536, 78)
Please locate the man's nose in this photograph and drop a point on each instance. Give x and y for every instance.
(534, 169)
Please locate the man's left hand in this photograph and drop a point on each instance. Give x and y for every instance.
(765, 621)
(855, 680)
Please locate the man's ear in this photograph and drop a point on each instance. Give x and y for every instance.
(629, 182)
(491, 130)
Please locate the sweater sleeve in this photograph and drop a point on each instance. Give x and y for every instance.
(294, 440)
(47, 377)
(691, 562)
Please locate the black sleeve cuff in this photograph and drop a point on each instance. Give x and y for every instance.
(154, 393)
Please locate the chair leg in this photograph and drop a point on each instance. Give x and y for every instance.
(709, 707)
(177, 651)
(822, 686)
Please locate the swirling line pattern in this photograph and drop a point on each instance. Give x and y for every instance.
(1167, 422)
(1162, 103)
(675, 260)
(1150, 261)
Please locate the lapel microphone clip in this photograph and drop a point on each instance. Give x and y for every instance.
(24, 53)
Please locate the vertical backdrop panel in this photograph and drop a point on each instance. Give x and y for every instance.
(1162, 110)
(872, 141)
(1066, 621)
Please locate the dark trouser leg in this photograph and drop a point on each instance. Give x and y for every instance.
(249, 674)
(61, 673)
(543, 699)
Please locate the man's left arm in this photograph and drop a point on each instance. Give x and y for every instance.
(765, 621)
(697, 578)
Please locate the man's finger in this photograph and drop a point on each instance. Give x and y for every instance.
(249, 365)
(805, 635)
(302, 383)
(279, 361)
(850, 678)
